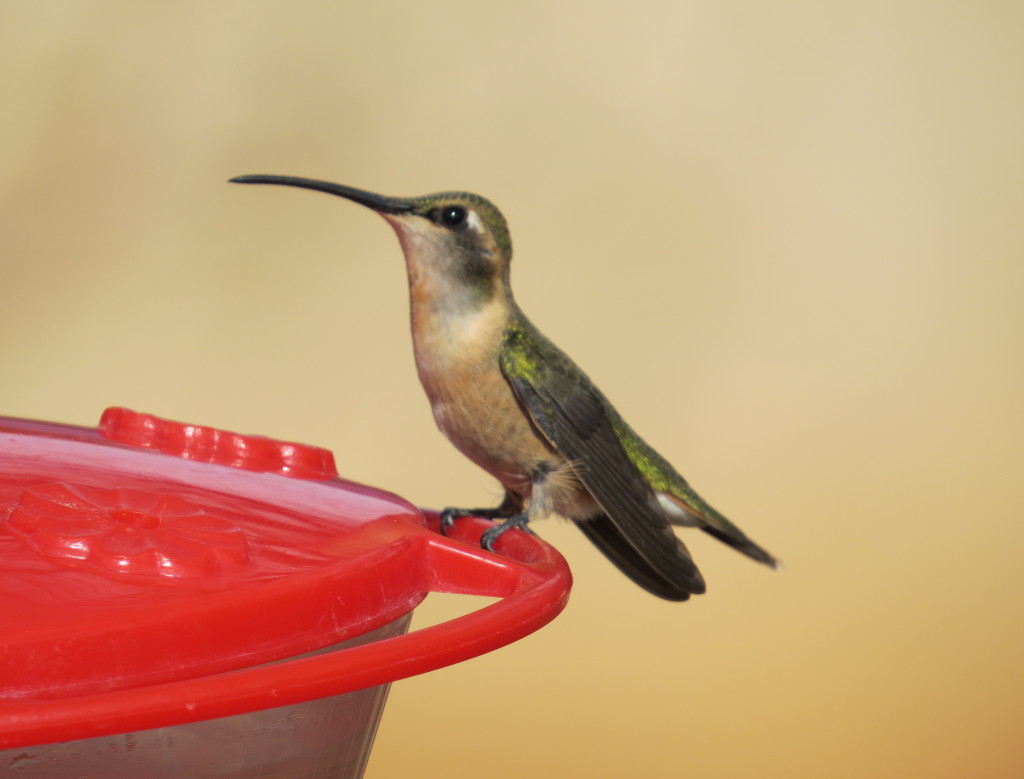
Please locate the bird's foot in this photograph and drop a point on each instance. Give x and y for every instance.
(450, 515)
(491, 534)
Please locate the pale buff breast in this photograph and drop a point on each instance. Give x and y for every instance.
(476, 410)
(473, 405)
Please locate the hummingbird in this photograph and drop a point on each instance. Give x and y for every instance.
(517, 406)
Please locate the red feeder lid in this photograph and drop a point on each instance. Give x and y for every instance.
(148, 567)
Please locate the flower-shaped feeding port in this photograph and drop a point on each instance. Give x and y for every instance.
(128, 532)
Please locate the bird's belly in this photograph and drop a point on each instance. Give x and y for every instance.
(484, 422)
(475, 408)
(491, 430)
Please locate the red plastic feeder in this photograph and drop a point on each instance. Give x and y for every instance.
(182, 601)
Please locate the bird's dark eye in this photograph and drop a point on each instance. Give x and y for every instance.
(451, 216)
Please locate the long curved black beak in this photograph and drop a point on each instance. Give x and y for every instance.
(379, 203)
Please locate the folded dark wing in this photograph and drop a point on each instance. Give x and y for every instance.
(571, 413)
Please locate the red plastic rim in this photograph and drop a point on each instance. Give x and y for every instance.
(530, 579)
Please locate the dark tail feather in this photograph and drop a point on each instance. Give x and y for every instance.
(713, 523)
(741, 544)
(676, 585)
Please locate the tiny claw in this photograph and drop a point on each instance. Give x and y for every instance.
(493, 533)
(448, 517)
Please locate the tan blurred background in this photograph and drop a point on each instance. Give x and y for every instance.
(785, 238)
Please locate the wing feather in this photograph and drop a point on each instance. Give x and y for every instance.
(572, 414)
